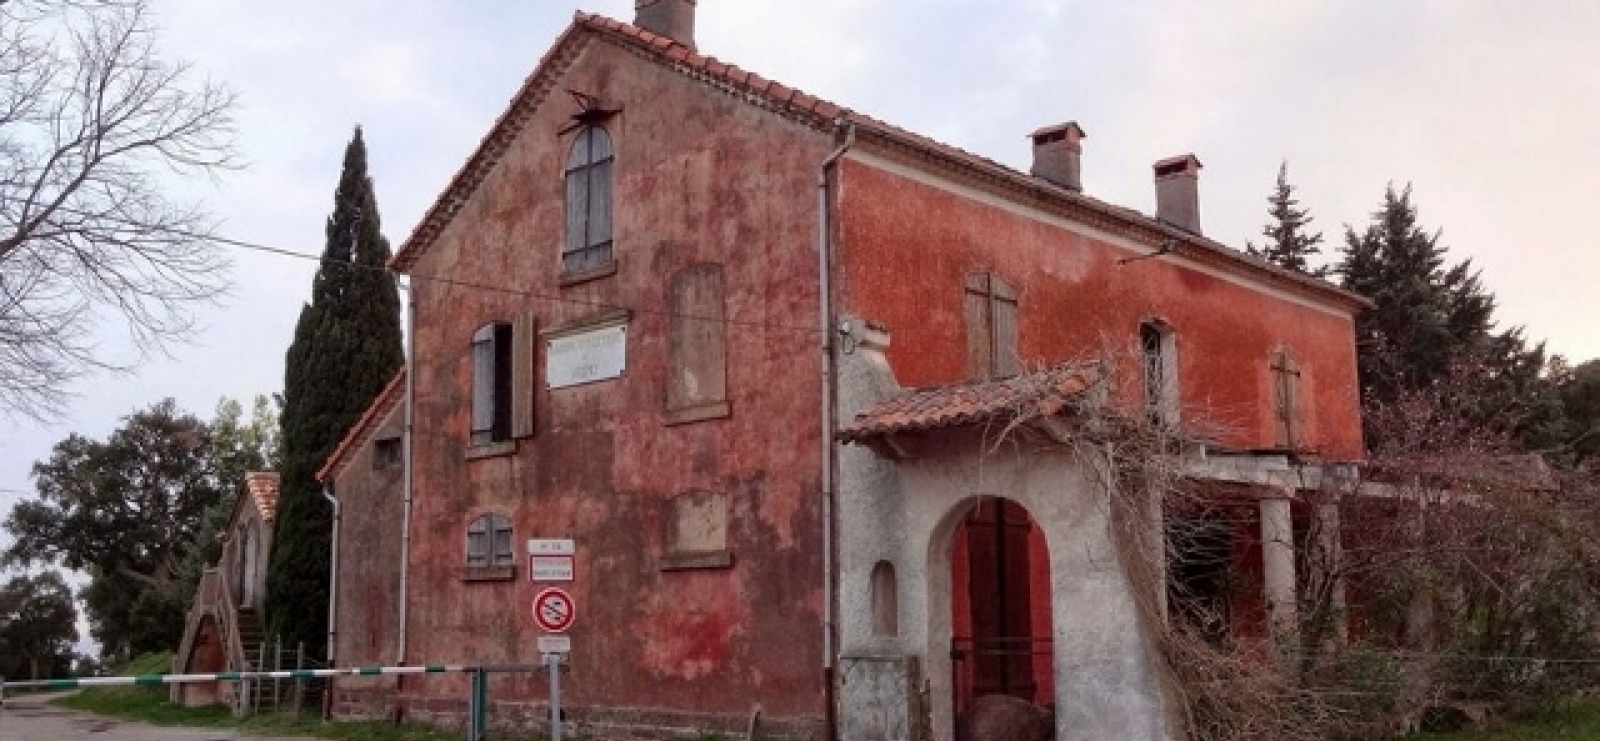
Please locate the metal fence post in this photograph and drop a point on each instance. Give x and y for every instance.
(553, 661)
(477, 706)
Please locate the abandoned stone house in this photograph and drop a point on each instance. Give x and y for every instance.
(749, 350)
(223, 628)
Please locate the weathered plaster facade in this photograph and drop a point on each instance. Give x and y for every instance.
(906, 513)
(732, 560)
(916, 232)
(701, 178)
(365, 476)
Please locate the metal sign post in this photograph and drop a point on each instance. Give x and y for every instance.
(552, 663)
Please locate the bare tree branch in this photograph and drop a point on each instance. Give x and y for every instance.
(92, 119)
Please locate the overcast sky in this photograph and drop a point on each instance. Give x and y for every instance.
(1490, 109)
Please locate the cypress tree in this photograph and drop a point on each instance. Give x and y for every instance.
(1426, 316)
(1290, 243)
(346, 346)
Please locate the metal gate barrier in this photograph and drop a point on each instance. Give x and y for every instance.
(478, 700)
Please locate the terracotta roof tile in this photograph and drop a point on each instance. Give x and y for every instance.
(358, 433)
(263, 489)
(1046, 392)
(824, 113)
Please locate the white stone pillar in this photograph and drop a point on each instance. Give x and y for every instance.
(1277, 565)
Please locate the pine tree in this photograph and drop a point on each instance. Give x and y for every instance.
(1290, 243)
(1433, 322)
(346, 346)
(1426, 314)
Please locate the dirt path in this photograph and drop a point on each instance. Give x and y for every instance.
(33, 718)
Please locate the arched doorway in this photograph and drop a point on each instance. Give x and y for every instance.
(1001, 628)
(208, 656)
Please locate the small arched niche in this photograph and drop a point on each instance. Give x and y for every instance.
(885, 600)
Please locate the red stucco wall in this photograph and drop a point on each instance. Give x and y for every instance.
(371, 508)
(905, 247)
(700, 177)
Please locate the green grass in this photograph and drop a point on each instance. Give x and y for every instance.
(1575, 720)
(150, 705)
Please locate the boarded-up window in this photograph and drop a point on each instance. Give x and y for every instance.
(502, 381)
(588, 181)
(991, 316)
(697, 532)
(697, 384)
(489, 541)
(1159, 367)
(1285, 400)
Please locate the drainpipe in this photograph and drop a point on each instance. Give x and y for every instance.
(406, 475)
(825, 316)
(333, 573)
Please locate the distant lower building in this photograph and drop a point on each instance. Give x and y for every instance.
(223, 631)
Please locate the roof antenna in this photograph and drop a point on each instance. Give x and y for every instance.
(1167, 247)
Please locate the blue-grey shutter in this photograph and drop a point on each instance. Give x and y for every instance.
(483, 383)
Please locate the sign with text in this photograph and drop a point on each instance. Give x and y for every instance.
(586, 357)
(549, 568)
(555, 644)
(551, 547)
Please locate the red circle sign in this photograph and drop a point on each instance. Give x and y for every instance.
(553, 610)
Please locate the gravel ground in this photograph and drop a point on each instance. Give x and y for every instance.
(33, 718)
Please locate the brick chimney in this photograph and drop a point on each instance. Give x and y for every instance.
(1178, 192)
(1058, 155)
(673, 19)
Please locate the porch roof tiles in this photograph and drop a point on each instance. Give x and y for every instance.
(1043, 393)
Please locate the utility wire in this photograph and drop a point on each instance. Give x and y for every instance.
(258, 247)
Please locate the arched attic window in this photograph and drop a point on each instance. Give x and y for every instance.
(588, 180)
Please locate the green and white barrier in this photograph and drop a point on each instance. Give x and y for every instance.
(158, 680)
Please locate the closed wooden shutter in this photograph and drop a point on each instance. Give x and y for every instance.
(980, 328)
(524, 336)
(1007, 360)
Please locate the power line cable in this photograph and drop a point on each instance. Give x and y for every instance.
(258, 247)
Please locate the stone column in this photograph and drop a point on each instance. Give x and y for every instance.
(1277, 565)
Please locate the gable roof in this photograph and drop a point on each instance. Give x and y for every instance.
(364, 428)
(263, 489)
(260, 491)
(823, 116)
(1043, 393)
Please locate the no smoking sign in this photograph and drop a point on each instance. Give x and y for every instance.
(553, 610)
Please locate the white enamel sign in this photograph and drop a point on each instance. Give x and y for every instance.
(551, 547)
(555, 644)
(596, 355)
(550, 568)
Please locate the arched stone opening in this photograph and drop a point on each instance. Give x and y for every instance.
(990, 610)
(1000, 606)
(885, 601)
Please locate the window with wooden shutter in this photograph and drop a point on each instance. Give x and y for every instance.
(524, 336)
(697, 383)
(588, 183)
(991, 318)
(491, 384)
(1285, 400)
(489, 552)
(1158, 364)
